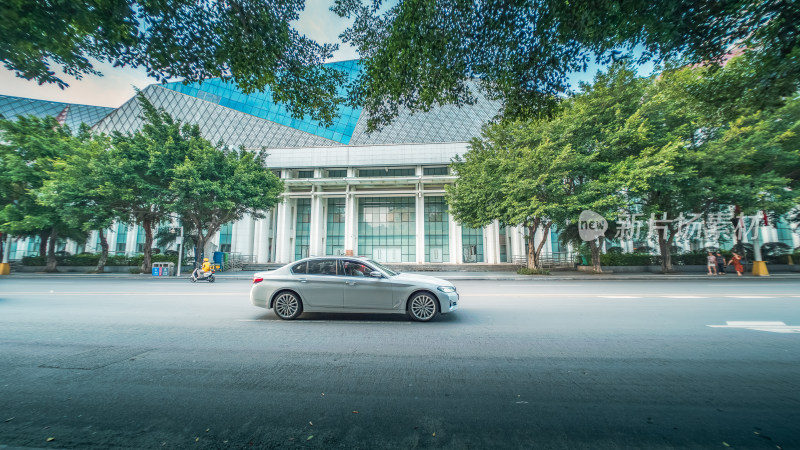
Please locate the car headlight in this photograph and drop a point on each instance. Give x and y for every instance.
(447, 289)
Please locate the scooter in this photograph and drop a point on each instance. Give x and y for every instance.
(198, 274)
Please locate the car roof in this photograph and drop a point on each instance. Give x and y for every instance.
(311, 258)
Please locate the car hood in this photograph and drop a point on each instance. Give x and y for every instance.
(412, 277)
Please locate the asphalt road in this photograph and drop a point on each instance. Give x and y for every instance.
(151, 363)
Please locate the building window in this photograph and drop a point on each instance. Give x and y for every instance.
(33, 246)
(387, 228)
(122, 238)
(435, 171)
(555, 245)
(386, 172)
(139, 239)
(225, 237)
(12, 249)
(472, 244)
(337, 173)
(437, 230)
(302, 228)
(334, 239)
(305, 174)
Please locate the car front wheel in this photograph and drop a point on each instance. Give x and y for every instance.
(423, 307)
(287, 306)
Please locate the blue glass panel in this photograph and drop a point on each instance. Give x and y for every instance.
(260, 104)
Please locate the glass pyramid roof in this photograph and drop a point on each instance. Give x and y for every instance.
(72, 114)
(260, 104)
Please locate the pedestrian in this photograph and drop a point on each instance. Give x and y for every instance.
(720, 264)
(712, 264)
(736, 260)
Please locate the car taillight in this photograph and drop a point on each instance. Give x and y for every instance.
(257, 280)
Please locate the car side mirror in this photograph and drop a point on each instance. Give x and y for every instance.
(376, 274)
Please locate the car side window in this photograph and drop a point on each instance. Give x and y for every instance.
(322, 267)
(301, 268)
(356, 269)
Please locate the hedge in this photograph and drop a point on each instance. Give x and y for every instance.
(643, 259)
(91, 259)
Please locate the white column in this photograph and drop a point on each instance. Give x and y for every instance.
(258, 236)
(130, 239)
(263, 229)
(451, 240)
(517, 238)
(490, 253)
(283, 250)
(6, 248)
(315, 227)
(242, 235)
(455, 238)
(350, 225)
(420, 224)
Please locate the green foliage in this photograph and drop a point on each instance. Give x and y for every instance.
(28, 150)
(419, 54)
(250, 42)
(527, 271)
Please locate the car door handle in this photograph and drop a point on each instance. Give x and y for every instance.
(303, 280)
(351, 283)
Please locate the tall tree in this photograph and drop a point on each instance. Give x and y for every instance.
(213, 186)
(516, 175)
(421, 53)
(250, 42)
(81, 187)
(141, 166)
(28, 149)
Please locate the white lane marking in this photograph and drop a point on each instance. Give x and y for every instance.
(747, 296)
(683, 296)
(772, 327)
(619, 296)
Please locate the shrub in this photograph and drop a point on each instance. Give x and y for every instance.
(629, 259)
(91, 259)
(697, 257)
(34, 261)
(527, 271)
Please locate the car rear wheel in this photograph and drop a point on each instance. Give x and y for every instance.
(287, 305)
(423, 307)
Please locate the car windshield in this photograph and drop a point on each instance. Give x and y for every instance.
(385, 269)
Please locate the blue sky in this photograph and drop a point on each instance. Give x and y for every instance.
(115, 87)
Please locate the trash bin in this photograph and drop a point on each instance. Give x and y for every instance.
(162, 269)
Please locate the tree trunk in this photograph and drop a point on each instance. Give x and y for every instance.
(147, 261)
(52, 262)
(200, 248)
(595, 256)
(101, 263)
(43, 243)
(665, 247)
(534, 249)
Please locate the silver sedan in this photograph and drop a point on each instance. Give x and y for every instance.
(351, 285)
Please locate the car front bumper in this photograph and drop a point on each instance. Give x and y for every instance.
(448, 301)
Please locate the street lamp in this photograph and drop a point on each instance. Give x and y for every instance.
(179, 242)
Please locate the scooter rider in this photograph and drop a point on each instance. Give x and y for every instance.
(206, 266)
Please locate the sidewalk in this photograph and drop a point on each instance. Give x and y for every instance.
(452, 276)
